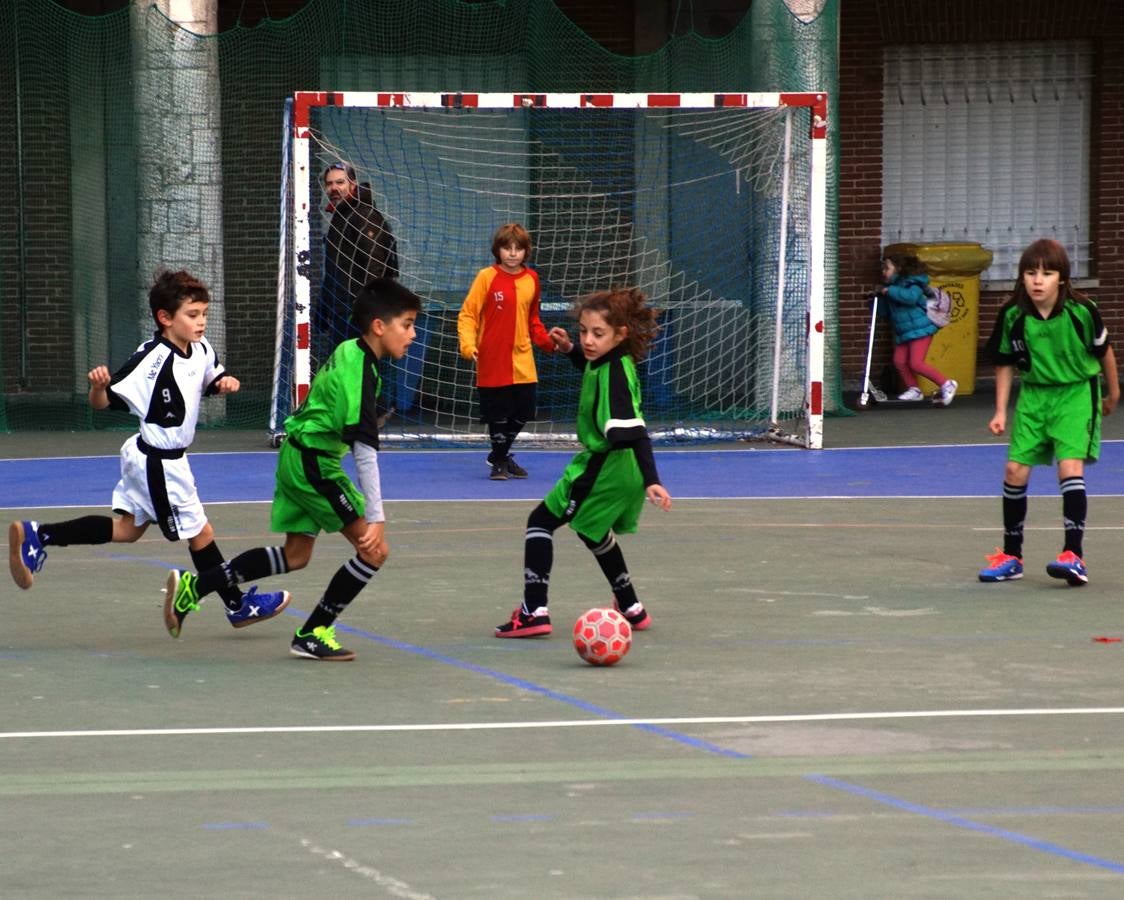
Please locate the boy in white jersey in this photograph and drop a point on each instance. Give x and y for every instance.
(163, 384)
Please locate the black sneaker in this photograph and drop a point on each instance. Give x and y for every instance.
(637, 616)
(522, 625)
(321, 644)
(499, 471)
(514, 470)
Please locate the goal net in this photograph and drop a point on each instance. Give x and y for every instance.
(712, 204)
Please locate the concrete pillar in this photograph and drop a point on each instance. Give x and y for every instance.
(179, 152)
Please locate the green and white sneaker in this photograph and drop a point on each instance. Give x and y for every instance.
(321, 644)
(180, 598)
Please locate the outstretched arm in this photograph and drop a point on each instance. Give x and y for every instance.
(911, 294)
(561, 338)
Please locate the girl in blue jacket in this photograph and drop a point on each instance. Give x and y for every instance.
(907, 290)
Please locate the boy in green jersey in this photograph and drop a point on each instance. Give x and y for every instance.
(603, 488)
(1055, 337)
(312, 491)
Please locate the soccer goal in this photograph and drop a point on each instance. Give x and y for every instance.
(713, 204)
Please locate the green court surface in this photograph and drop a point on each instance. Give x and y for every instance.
(829, 704)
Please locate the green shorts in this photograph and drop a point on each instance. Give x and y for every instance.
(598, 493)
(312, 493)
(1054, 423)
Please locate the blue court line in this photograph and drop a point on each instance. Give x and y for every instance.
(970, 811)
(950, 818)
(898, 803)
(523, 684)
(365, 822)
(522, 817)
(950, 471)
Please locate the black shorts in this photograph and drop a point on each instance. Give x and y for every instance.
(515, 401)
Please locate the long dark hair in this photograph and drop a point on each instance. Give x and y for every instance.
(1045, 253)
(624, 307)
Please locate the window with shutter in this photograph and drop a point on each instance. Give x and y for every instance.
(988, 142)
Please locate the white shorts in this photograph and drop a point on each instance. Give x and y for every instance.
(158, 490)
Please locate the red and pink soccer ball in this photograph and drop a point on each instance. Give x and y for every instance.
(602, 637)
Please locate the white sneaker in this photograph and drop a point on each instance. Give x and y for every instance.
(948, 391)
(914, 393)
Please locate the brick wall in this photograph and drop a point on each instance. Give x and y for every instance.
(866, 26)
(9, 183)
(860, 181)
(44, 134)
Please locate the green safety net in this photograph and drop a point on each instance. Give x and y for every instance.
(134, 144)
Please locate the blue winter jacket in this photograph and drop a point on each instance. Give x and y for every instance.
(907, 296)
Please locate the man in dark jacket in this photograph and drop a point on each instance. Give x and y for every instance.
(359, 246)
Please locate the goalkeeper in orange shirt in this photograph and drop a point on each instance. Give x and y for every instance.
(498, 322)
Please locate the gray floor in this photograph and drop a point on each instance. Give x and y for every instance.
(828, 704)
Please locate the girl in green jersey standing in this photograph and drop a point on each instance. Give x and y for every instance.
(1054, 336)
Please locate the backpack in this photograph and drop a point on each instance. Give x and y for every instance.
(938, 306)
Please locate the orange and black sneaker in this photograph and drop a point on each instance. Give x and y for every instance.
(522, 625)
(636, 614)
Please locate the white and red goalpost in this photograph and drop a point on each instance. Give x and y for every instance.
(714, 204)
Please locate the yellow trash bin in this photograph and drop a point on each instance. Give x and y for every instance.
(955, 267)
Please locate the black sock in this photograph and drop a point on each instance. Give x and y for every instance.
(538, 557)
(84, 530)
(511, 432)
(1075, 506)
(499, 442)
(611, 560)
(1014, 518)
(261, 562)
(207, 558)
(344, 587)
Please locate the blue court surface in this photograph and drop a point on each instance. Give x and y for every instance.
(760, 473)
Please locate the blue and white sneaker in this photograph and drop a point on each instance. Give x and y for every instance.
(1069, 566)
(26, 555)
(257, 607)
(1001, 567)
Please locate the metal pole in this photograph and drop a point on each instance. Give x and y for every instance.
(778, 336)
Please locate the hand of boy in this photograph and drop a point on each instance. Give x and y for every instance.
(227, 384)
(99, 377)
(373, 543)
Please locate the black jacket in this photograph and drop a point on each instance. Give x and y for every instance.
(359, 247)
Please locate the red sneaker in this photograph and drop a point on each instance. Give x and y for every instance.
(637, 615)
(522, 625)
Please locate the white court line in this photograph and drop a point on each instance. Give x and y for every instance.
(576, 723)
